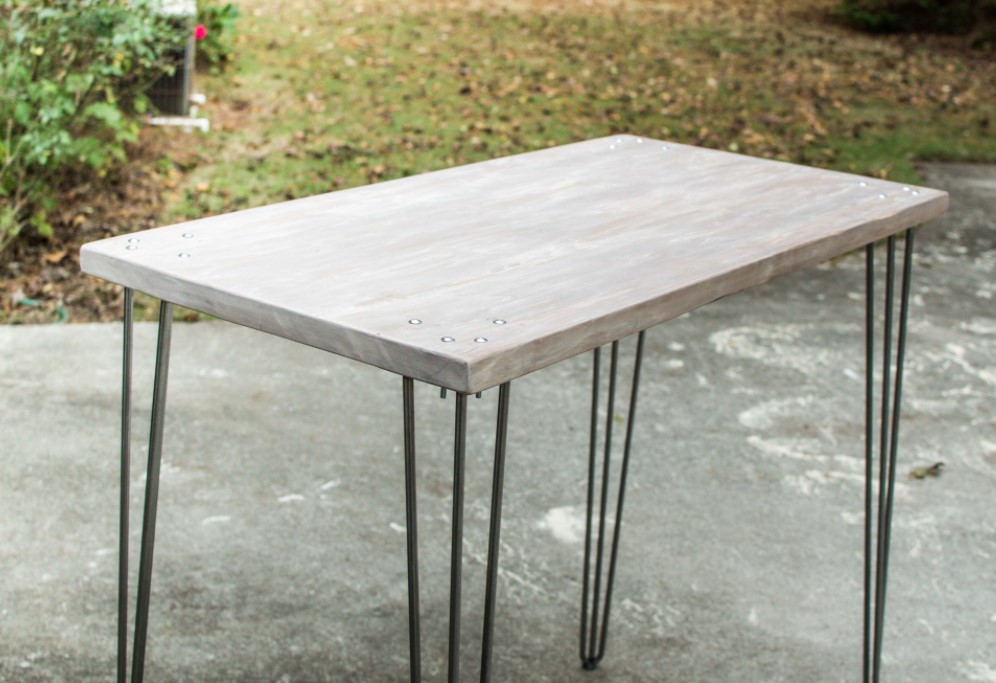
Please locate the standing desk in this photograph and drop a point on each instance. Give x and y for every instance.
(471, 277)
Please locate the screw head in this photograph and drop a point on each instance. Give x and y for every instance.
(134, 240)
(916, 193)
(881, 196)
(499, 321)
(906, 188)
(131, 247)
(447, 340)
(183, 254)
(481, 340)
(612, 146)
(187, 235)
(862, 184)
(414, 321)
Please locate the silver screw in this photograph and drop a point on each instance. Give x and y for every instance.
(134, 240)
(916, 193)
(863, 184)
(414, 321)
(188, 235)
(131, 247)
(499, 321)
(447, 340)
(183, 254)
(481, 340)
(906, 188)
(881, 196)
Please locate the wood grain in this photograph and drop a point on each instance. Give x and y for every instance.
(573, 247)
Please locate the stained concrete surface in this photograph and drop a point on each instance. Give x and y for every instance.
(280, 543)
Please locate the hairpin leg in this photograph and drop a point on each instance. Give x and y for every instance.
(411, 526)
(594, 632)
(494, 534)
(875, 584)
(126, 363)
(456, 548)
(152, 491)
(456, 557)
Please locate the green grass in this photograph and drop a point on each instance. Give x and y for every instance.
(324, 98)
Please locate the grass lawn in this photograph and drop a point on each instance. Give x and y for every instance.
(328, 95)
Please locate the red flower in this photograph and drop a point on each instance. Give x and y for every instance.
(200, 32)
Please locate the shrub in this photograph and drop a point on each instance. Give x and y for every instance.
(215, 51)
(933, 16)
(72, 74)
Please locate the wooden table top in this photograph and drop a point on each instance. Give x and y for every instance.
(473, 276)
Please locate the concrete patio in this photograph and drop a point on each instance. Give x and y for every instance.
(280, 543)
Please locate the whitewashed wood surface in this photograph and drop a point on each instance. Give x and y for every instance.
(572, 247)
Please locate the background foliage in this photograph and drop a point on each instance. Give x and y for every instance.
(216, 51)
(72, 74)
(940, 16)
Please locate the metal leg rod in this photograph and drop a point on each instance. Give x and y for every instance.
(128, 336)
(630, 422)
(151, 491)
(883, 465)
(603, 503)
(888, 445)
(494, 534)
(594, 631)
(592, 452)
(411, 526)
(904, 302)
(456, 553)
(883, 470)
(884, 432)
(869, 451)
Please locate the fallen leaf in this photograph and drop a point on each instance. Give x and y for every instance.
(927, 471)
(55, 256)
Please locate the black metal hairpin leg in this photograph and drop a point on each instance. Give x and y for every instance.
(126, 356)
(411, 522)
(875, 585)
(594, 632)
(456, 548)
(456, 553)
(151, 491)
(494, 534)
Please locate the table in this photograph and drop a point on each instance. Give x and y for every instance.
(471, 277)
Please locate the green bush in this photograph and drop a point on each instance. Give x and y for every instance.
(215, 51)
(933, 16)
(72, 75)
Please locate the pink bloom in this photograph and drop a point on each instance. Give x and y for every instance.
(200, 32)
